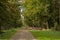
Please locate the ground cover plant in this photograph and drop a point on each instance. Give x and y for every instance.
(7, 34)
(46, 35)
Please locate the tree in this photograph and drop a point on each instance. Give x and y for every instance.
(44, 13)
(36, 12)
(9, 14)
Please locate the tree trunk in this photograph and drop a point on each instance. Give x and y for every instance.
(59, 12)
(0, 28)
(54, 11)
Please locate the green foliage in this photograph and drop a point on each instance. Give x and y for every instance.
(38, 13)
(42, 13)
(9, 14)
(46, 35)
(36, 10)
(8, 34)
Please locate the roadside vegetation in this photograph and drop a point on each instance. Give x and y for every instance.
(8, 33)
(46, 35)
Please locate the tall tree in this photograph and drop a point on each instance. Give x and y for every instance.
(9, 13)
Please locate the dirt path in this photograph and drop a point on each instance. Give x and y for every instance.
(23, 35)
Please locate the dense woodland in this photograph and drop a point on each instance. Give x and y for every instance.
(43, 13)
(37, 13)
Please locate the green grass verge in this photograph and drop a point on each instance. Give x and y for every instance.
(8, 34)
(46, 35)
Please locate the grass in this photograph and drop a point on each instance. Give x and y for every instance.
(46, 35)
(8, 34)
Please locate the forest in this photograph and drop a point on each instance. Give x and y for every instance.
(37, 13)
(41, 14)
